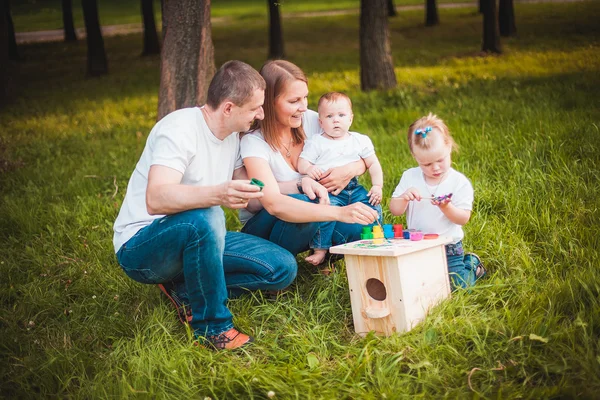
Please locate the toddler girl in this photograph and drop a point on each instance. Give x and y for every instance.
(436, 197)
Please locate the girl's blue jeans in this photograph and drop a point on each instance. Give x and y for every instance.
(193, 250)
(296, 237)
(352, 193)
(462, 267)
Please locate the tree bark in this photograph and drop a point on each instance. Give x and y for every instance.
(391, 9)
(151, 45)
(275, 31)
(13, 52)
(480, 6)
(506, 18)
(187, 58)
(96, 55)
(5, 62)
(376, 64)
(431, 14)
(68, 27)
(491, 36)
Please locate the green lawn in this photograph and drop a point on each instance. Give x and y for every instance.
(33, 15)
(527, 122)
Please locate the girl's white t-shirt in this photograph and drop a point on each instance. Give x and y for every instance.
(253, 144)
(423, 215)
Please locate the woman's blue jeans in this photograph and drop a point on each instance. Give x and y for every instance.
(194, 248)
(296, 237)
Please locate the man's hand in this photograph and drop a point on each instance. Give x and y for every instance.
(313, 189)
(375, 195)
(236, 194)
(336, 179)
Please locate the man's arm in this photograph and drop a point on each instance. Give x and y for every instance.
(166, 195)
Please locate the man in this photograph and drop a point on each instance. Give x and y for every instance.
(171, 228)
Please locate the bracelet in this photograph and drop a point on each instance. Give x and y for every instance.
(299, 185)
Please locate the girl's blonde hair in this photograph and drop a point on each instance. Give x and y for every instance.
(423, 140)
(278, 74)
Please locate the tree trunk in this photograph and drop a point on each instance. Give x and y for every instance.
(151, 45)
(13, 53)
(376, 64)
(5, 63)
(431, 14)
(491, 36)
(96, 56)
(275, 31)
(391, 9)
(68, 27)
(481, 6)
(187, 58)
(506, 18)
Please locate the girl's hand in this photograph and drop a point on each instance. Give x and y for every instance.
(375, 195)
(314, 189)
(441, 203)
(411, 194)
(336, 179)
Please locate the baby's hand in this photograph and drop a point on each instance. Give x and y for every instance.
(411, 194)
(375, 195)
(314, 172)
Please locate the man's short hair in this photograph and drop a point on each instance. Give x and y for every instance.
(235, 81)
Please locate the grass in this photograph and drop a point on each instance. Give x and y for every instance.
(33, 15)
(74, 326)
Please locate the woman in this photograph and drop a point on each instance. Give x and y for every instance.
(271, 150)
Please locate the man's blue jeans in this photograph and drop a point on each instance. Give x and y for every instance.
(194, 248)
(295, 237)
(352, 193)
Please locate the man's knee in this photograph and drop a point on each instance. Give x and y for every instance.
(284, 267)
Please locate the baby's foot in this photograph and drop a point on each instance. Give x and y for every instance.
(317, 257)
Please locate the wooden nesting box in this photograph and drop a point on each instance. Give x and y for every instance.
(394, 284)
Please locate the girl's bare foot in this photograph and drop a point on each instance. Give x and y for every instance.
(317, 257)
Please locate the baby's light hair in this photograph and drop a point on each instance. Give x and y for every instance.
(332, 97)
(424, 140)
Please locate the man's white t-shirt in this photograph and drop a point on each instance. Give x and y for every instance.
(423, 215)
(327, 153)
(182, 141)
(254, 145)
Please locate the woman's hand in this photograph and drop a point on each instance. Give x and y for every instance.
(358, 213)
(313, 189)
(336, 179)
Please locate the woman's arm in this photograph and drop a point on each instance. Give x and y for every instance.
(292, 210)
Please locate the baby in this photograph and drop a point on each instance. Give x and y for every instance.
(447, 195)
(336, 147)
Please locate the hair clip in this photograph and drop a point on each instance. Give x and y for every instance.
(423, 132)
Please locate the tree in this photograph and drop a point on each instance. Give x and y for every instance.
(506, 18)
(5, 63)
(431, 14)
(96, 56)
(13, 53)
(68, 27)
(376, 65)
(491, 36)
(187, 58)
(275, 32)
(151, 45)
(391, 9)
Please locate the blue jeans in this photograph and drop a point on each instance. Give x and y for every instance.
(462, 267)
(193, 250)
(352, 193)
(295, 237)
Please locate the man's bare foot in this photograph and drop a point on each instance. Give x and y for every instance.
(317, 257)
